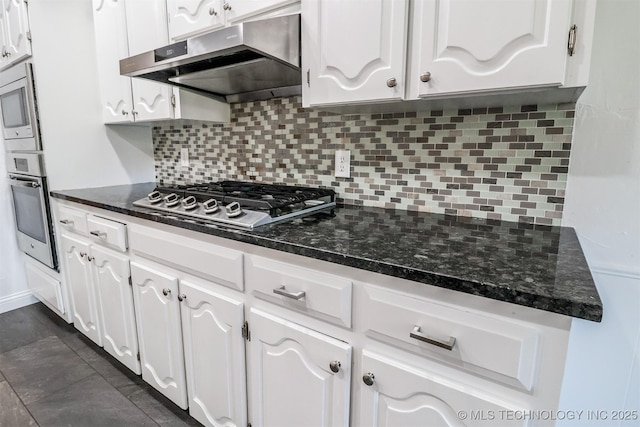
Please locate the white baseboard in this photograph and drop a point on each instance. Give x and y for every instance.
(17, 300)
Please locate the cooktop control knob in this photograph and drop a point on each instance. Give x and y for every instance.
(155, 197)
(210, 206)
(233, 210)
(172, 200)
(189, 203)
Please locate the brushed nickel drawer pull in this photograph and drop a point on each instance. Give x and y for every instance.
(66, 221)
(288, 294)
(416, 334)
(97, 233)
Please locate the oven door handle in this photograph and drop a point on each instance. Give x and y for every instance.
(25, 182)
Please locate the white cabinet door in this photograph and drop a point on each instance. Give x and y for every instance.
(111, 272)
(354, 51)
(214, 355)
(80, 282)
(4, 36)
(189, 17)
(471, 46)
(290, 377)
(400, 395)
(240, 10)
(151, 100)
(155, 296)
(17, 28)
(111, 46)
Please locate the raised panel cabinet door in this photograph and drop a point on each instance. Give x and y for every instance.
(151, 100)
(4, 38)
(296, 376)
(189, 17)
(111, 272)
(239, 10)
(471, 46)
(17, 27)
(353, 51)
(155, 296)
(111, 46)
(78, 272)
(395, 394)
(214, 355)
(143, 37)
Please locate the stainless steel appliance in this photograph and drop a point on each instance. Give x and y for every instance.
(249, 61)
(19, 118)
(31, 206)
(238, 204)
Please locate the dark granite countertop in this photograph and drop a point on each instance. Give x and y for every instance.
(535, 266)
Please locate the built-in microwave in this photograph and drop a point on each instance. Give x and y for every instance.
(18, 109)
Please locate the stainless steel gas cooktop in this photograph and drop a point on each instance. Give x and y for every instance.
(239, 204)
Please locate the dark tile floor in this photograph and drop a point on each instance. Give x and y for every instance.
(51, 375)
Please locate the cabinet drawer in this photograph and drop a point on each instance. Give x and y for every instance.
(490, 346)
(108, 232)
(217, 263)
(313, 292)
(72, 219)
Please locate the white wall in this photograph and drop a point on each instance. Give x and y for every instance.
(603, 205)
(79, 150)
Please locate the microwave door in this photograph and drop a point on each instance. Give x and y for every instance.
(18, 116)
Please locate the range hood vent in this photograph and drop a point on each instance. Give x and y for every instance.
(246, 62)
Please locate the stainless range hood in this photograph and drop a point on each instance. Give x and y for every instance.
(249, 61)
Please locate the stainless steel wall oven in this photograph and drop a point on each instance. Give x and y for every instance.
(25, 164)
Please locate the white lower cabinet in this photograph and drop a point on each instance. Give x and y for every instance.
(214, 355)
(112, 275)
(395, 394)
(76, 263)
(155, 295)
(297, 376)
(191, 344)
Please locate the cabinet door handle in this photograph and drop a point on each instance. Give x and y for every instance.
(182, 297)
(66, 221)
(125, 113)
(83, 254)
(335, 366)
(226, 6)
(213, 12)
(425, 77)
(90, 258)
(293, 295)
(368, 378)
(416, 334)
(392, 82)
(166, 292)
(97, 233)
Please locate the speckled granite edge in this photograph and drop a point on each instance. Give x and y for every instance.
(563, 302)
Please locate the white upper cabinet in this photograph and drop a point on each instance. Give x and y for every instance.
(467, 46)
(122, 29)
(383, 50)
(16, 43)
(190, 17)
(353, 51)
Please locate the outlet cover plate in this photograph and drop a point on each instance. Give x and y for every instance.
(343, 163)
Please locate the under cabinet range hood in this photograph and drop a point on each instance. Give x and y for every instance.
(245, 62)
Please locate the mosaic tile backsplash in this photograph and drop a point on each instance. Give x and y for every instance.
(507, 163)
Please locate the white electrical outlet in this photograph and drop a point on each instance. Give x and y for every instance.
(343, 163)
(184, 157)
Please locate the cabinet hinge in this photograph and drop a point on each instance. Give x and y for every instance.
(130, 281)
(138, 356)
(571, 43)
(309, 77)
(246, 334)
(29, 35)
(173, 101)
